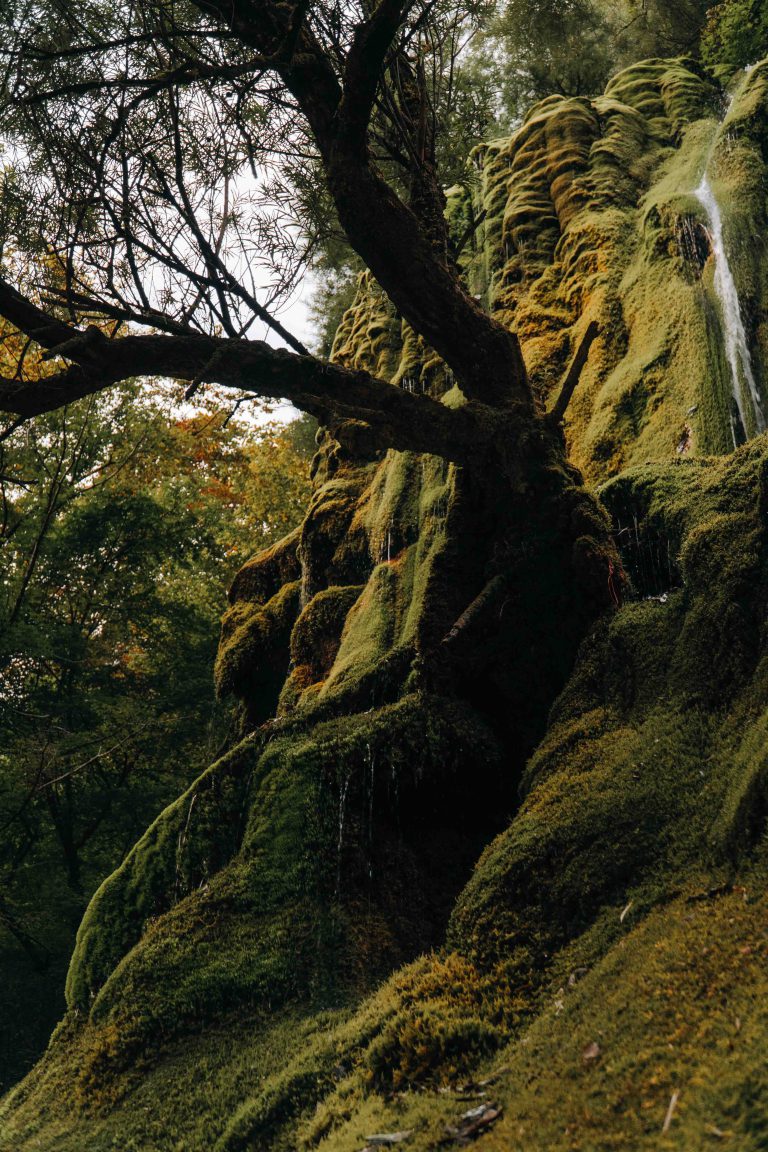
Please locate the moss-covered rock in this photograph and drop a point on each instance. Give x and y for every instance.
(252, 660)
(232, 986)
(590, 214)
(611, 912)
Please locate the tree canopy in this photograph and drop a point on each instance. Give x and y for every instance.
(155, 159)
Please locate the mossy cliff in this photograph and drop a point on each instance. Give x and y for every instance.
(299, 953)
(588, 213)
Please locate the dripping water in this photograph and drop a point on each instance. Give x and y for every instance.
(371, 764)
(343, 791)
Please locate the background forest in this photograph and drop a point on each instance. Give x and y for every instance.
(122, 525)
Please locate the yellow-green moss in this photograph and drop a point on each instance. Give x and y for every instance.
(262, 577)
(186, 845)
(297, 869)
(587, 210)
(317, 633)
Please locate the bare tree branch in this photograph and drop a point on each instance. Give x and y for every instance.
(572, 375)
(333, 394)
(143, 225)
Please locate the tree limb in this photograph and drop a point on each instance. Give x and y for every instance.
(32, 320)
(371, 42)
(468, 233)
(335, 395)
(571, 379)
(490, 593)
(336, 97)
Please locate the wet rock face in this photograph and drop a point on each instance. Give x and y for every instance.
(589, 212)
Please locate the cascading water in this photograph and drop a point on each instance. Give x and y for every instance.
(743, 384)
(736, 346)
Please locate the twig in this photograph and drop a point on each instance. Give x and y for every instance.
(489, 593)
(468, 233)
(670, 1112)
(12, 427)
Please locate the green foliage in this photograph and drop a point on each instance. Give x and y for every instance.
(657, 28)
(534, 50)
(333, 295)
(531, 50)
(735, 35)
(121, 525)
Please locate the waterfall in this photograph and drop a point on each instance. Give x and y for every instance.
(736, 347)
(743, 384)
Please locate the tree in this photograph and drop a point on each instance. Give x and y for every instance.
(735, 35)
(537, 48)
(121, 530)
(659, 28)
(135, 129)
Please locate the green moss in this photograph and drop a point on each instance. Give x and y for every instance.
(590, 215)
(588, 212)
(369, 336)
(675, 1007)
(185, 846)
(333, 550)
(253, 654)
(402, 517)
(317, 633)
(303, 872)
(262, 577)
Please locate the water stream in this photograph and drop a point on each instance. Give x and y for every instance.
(743, 384)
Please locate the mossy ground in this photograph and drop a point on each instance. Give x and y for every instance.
(624, 906)
(232, 986)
